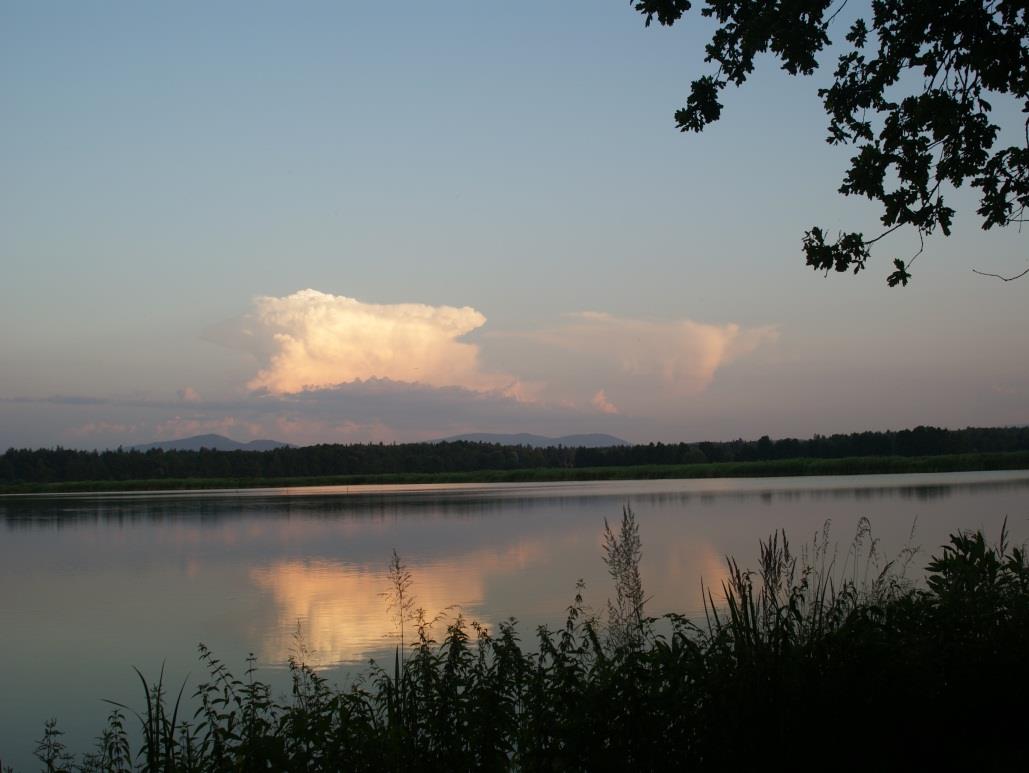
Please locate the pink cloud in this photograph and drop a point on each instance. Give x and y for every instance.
(602, 404)
(311, 340)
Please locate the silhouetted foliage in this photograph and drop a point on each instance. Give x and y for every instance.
(913, 91)
(802, 664)
(622, 554)
(64, 465)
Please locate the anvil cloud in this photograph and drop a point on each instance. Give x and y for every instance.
(589, 361)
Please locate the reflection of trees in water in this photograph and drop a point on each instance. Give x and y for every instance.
(924, 492)
(472, 502)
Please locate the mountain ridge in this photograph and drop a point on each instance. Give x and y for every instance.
(212, 442)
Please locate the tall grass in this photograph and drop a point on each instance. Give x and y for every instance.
(808, 661)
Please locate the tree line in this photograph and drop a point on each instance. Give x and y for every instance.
(50, 465)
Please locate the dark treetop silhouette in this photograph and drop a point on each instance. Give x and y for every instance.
(912, 91)
(50, 465)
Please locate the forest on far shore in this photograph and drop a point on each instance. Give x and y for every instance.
(55, 465)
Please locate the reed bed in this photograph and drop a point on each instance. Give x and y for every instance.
(812, 660)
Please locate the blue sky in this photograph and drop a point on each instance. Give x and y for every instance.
(173, 179)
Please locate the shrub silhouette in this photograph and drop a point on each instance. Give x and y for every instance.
(801, 663)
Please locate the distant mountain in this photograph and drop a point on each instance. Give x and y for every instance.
(593, 440)
(213, 442)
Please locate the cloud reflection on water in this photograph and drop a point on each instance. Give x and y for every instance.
(341, 608)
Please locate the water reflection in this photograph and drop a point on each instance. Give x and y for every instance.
(92, 585)
(477, 500)
(340, 609)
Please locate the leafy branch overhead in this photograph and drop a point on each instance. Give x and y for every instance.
(912, 92)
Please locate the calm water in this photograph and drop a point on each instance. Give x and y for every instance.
(91, 585)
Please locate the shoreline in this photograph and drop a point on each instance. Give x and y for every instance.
(802, 467)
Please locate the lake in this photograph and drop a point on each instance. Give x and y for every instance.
(91, 585)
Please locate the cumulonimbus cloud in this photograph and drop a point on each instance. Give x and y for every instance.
(335, 369)
(587, 363)
(312, 340)
(644, 366)
(681, 354)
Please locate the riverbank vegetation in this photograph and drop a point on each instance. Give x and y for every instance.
(813, 660)
(464, 461)
(1018, 460)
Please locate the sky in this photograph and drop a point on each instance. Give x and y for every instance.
(343, 222)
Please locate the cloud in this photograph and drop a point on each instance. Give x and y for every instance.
(187, 426)
(602, 404)
(332, 368)
(92, 428)
(383, 410)
(375, 410)
(310, 340)
(648, 367)
(681, 354)
(329, 368)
